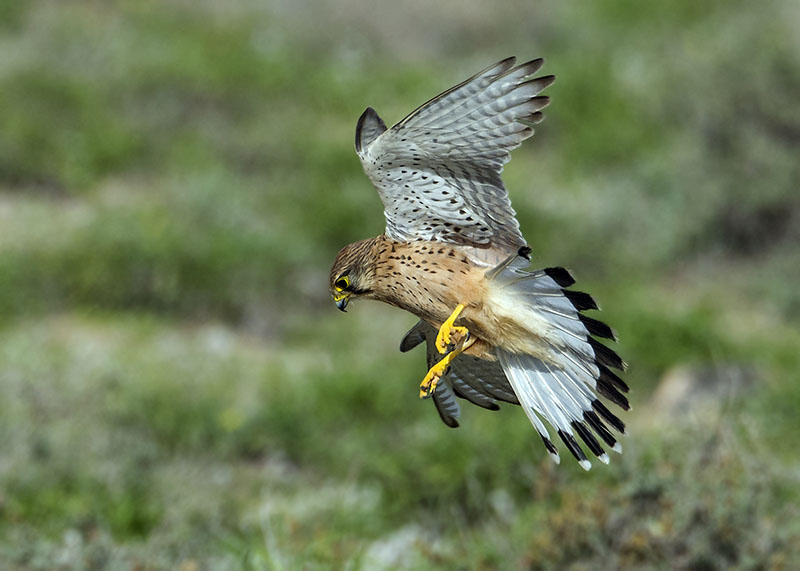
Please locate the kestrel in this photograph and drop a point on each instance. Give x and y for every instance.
(453, 255)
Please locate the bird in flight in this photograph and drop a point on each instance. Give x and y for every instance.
(453, 255)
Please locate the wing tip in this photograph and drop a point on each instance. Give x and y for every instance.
(506, 63)
(369, 127)
(545, 81)
(450, 422)
(412, 338)
(532, 66)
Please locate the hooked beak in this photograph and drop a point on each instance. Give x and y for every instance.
(341, 302)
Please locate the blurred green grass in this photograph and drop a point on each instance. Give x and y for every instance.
(178, 389)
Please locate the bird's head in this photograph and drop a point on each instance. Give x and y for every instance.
(353, 273)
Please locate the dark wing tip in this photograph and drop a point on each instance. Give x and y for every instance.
(505, 62)
(414, 337)
(368, 128)
(544, 81)
(531, 120)
(447, 419)
(533, 65)
(487, 404)
(540, 101)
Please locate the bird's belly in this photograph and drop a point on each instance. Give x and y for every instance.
(503, 321)
(430, 280)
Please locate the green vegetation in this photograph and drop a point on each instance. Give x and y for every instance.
(180, 392)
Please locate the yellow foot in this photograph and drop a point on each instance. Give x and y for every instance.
(428, 385)
(449, 334)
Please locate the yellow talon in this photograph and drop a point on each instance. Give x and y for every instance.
(428, 385)
(451, 334)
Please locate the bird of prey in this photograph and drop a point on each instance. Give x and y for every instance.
(453, 255)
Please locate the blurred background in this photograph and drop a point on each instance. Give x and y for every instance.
(179, 391)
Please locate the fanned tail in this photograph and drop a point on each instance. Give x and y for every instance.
(563, 389)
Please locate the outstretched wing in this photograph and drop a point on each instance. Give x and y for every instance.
(438, 170)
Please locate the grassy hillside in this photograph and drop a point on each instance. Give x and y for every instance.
(180, 392)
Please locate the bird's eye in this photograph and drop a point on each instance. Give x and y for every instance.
(342, 283)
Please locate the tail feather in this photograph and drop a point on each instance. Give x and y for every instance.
(561, 276)
(606, 356)
(581, 368)
(581, 300)
(607, 390)
(608, 416)
(614, 379)
(571, 388)
(590, 441)
(576, 450)
(532, 402)
(600, 429)
(597, 328)
(561, 385)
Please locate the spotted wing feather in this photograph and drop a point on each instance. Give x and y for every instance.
(438, 170)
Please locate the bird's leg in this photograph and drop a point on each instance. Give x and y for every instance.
(450, 334)
(428, 385)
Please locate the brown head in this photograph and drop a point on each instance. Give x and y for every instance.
(353, 272)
